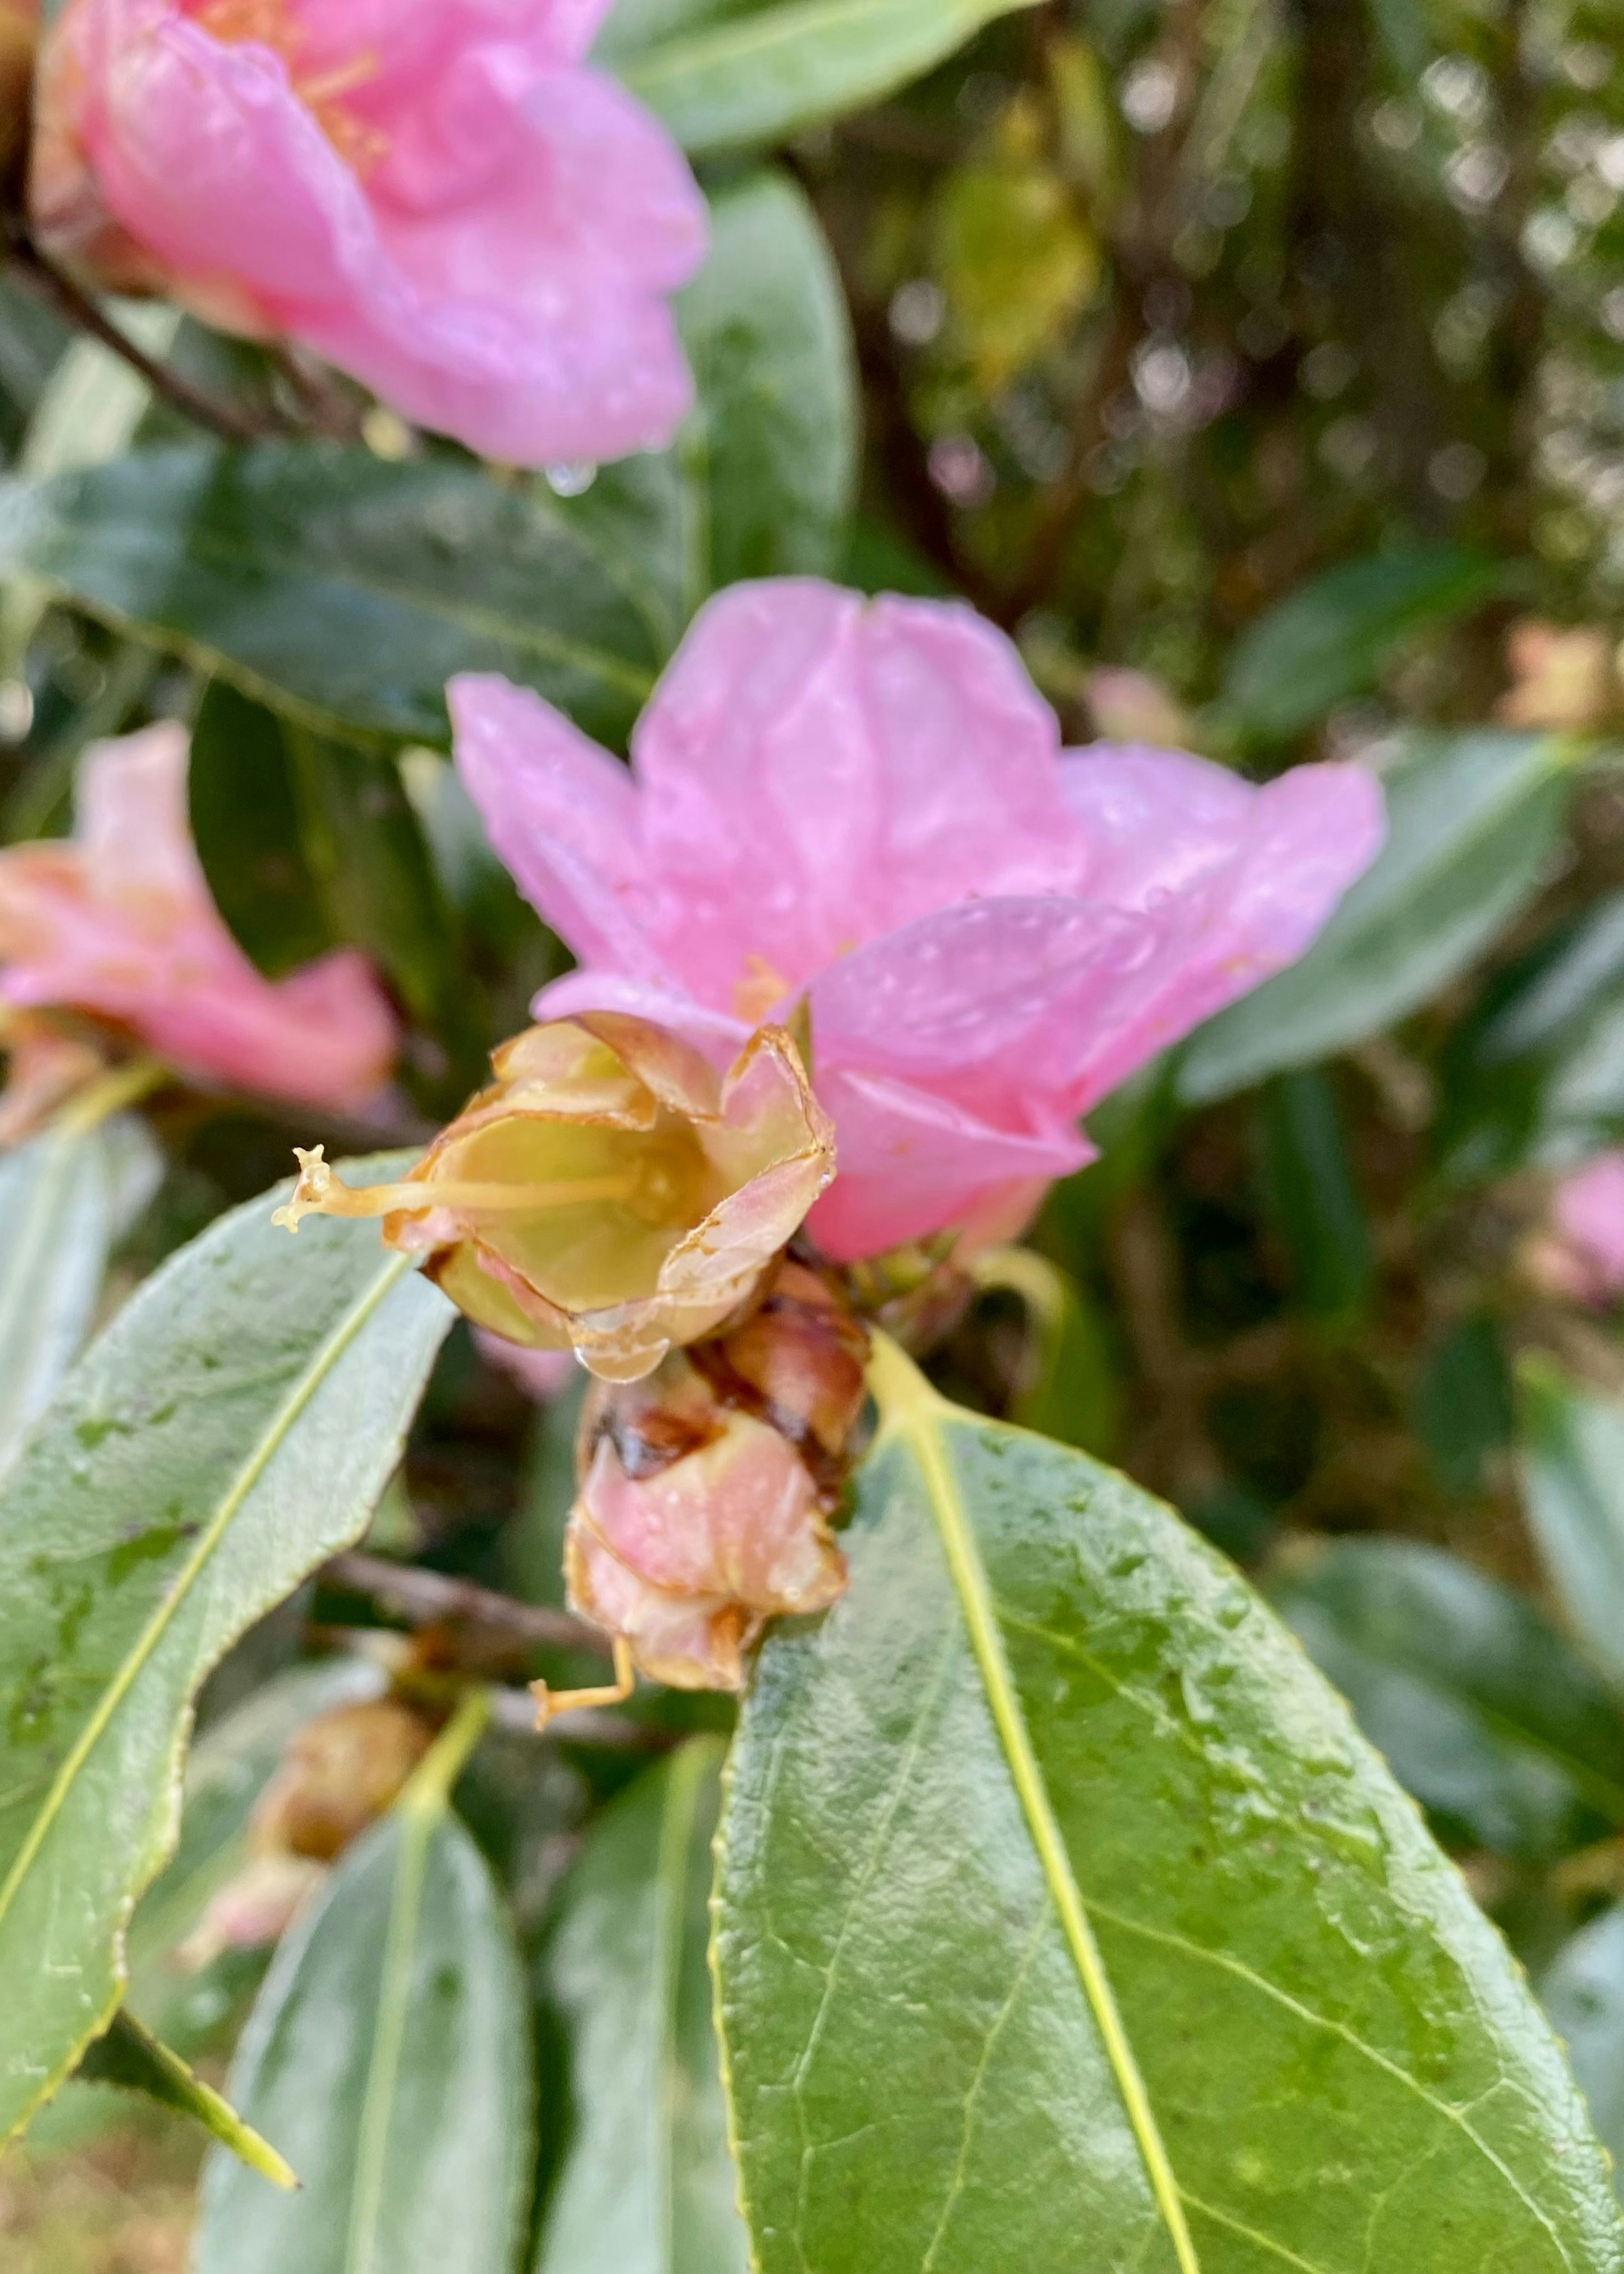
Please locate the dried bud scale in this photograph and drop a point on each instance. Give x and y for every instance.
(706, 1491)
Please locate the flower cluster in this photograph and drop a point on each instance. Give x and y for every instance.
(445, 201)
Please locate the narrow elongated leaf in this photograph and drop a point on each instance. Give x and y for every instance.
(245, 823)
(231, 1430)
(1584, 1993)
(1570, 1451)
(63, 1200)
(762, 481)
(1331, 639)
(335, 587)
(648, 2185)
(1483, 1711)
(131, 2058)
(388, 2057)
(1472, 821)
(1064, 1920)
(720, 75)
(1311, 1196)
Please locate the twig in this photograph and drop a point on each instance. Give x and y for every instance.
(426, 1597)
(54, 286)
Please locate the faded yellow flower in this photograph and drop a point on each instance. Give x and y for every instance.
(610, 1193)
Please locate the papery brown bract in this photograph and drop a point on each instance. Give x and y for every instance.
(610, 1192)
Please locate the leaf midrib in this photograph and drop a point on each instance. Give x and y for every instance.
(918, 1424)
(231, 1503)
(416, 1829)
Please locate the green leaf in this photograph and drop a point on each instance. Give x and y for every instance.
(229, 1432)
(1333, 637)
(65, 1199)
(1068, 1387)
(1061, 1907)
(721, 75)
(1483, 1711)
(1309, 1192)
(246, 825)
(130, 2058)
(1463, 1409)
(648, 2185)
(1570, 1456)
(389, 2057)
(1472, 821)
(341, 590)
(763, 478)
(230, 1767)
(1583, 1992)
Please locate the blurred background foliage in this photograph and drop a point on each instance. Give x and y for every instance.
(1260, 365)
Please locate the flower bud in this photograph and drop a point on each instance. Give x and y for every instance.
(610, 1193)
(706, 1491)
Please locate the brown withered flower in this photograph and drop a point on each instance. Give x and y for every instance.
(706, 1490)
(609, 1193)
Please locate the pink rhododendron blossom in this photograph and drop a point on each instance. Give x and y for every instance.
(437, 195)
(867, 805)
(1582, 1254)
(119, 922)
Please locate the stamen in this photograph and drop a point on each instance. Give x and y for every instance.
(319, 1193)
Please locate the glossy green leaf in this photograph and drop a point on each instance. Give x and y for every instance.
(1333, 637)
(647, 2185)
(762, 481)
(245, 823)
(388, 2057)
(1570, 1454)
(1062, 1911)
(132, 2058)
(339, 589)
(1473, 820)
(1538, 1078)
(1483, 1711)
(1311, 1197)
(63, 1200)
(231, 1430)
(1583, 1992)
(721, 74)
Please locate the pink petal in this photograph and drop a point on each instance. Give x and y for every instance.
(719, 1037)
(911, 1163)
(1589, 1216)
(818, 770)
(561, 813)
(1238, 881)
(988, 1003)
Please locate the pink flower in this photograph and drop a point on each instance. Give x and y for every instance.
(543, 1375)
(119, 923)
(436, 195)
(1585, 1256)
(868, 804)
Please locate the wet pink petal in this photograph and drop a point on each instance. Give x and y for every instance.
(119, 923)
(438, 197)
(866, 804)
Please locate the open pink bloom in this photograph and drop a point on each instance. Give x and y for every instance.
(867, 804)
(119, 923)
(1583, 1254)
(436, 195)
